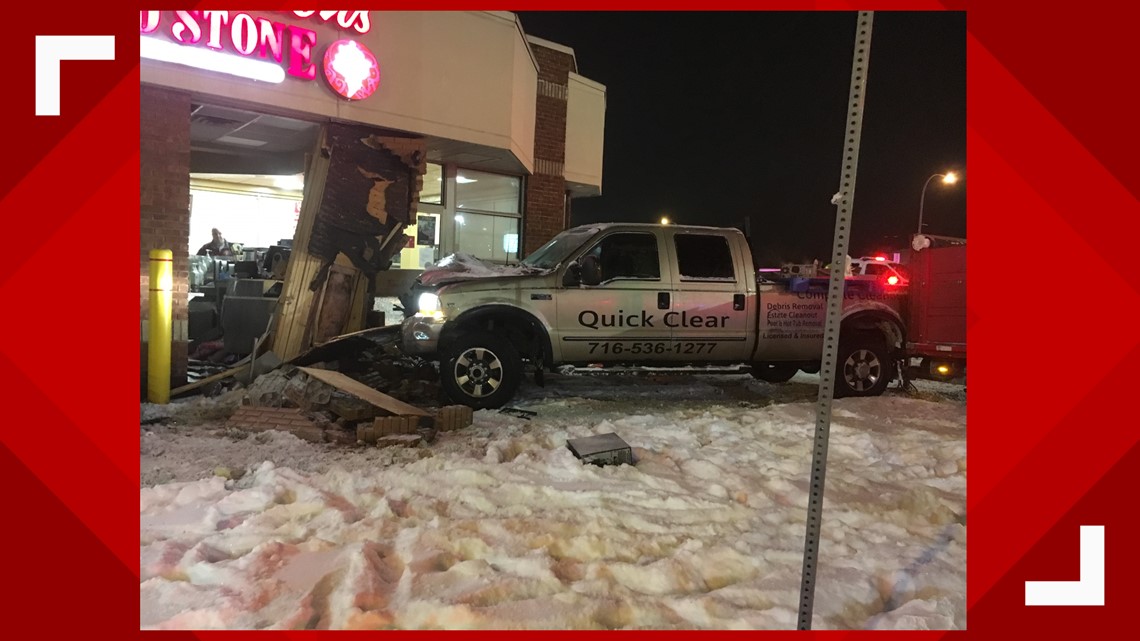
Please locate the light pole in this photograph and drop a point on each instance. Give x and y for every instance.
(948, 178)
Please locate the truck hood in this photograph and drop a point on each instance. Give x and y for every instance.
(459, 268)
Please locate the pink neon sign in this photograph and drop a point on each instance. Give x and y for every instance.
(239, 32)
(356, 20)
(351, 69)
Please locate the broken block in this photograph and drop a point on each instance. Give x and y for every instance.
(399, 440)
(367, 433)
(454, 417)
(286, 419)
(352, 409)
(386, 425)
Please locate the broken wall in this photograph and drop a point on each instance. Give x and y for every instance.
(360, 194)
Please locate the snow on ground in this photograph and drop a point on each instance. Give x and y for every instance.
(499, 526)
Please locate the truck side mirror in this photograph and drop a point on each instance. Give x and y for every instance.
(573, 275)
(591, 270)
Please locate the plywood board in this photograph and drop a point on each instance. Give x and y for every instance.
(296, 299)
(363, 392)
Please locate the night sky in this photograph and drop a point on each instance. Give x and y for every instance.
(715, 117)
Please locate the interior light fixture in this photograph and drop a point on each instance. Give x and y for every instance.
(153, 48)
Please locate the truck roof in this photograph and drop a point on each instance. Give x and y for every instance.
(602, 226)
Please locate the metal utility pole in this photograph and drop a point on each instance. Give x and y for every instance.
(844, 201)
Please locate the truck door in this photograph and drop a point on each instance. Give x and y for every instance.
(715, 298)
(621, 319)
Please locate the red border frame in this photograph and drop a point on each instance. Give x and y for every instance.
(1052, 444)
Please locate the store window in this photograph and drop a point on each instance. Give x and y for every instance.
(487, 215)
(432, 192)
(481, 191)
(493, 238)
(246, 209)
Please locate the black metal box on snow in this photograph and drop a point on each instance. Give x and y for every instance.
(601, 449)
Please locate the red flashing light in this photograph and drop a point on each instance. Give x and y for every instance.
(881, 258)
(892, 280)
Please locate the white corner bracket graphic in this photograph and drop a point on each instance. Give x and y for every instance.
(50, 50)
(1089, 590)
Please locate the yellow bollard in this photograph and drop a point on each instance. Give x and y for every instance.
(159, 326)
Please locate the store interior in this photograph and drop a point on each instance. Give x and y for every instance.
(247, 183)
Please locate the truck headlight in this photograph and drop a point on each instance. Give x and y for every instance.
(429, 304)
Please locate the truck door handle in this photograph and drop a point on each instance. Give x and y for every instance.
(662, 300)
(738, 302)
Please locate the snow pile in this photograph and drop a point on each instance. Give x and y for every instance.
(499, 526)
(460, 266)
(194, 410)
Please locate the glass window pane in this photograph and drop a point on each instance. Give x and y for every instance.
(432, 191)
(492, 238)
(701, 256)
(506, 239)
(481, 191)
(628, 256)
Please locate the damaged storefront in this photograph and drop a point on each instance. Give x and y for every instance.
(305, 167)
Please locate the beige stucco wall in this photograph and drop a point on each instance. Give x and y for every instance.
(585, 129)
(523, 104)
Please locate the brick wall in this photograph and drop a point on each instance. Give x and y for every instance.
(546, 188)
(164, 207)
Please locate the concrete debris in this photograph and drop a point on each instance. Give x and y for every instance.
(345, 407)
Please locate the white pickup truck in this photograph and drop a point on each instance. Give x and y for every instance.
(644, 294)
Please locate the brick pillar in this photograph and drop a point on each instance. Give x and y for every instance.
(164, 207)
(546, 190)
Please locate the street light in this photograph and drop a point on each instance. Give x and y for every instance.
(948, 178)
(664, 220)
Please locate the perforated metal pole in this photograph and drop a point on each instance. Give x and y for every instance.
(844, 201)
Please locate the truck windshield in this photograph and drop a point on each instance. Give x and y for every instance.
(559, 247)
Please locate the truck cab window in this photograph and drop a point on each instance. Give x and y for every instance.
(875, 269)
(704, 256)
(628, 256)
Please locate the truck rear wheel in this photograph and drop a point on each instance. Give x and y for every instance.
(774, 372)
(865, 367)
(480, 370)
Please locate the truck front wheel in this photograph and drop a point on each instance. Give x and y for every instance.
(865, 367)
(480, 370)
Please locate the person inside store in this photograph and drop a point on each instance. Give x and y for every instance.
(219, 246)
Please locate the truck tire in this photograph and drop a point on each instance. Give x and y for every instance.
(865, 367)
(480, 370)
(774, 372)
